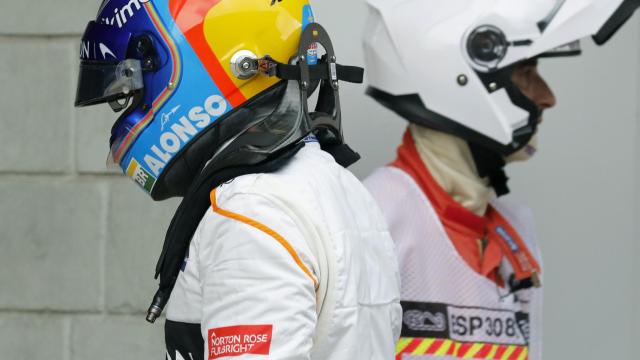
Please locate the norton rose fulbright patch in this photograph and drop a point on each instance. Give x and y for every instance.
(239, 340)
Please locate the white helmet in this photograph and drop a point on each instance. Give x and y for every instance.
(447, 64)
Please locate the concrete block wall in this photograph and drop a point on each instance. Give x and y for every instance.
(78, 243)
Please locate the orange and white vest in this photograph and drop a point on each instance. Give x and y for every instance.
(470, 284)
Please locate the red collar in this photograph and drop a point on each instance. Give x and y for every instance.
(466, 229)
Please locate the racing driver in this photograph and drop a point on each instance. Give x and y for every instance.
(276, 251)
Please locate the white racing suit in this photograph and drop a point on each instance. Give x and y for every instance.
(296, 264)
(459, 302)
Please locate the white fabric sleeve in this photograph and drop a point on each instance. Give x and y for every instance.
(257, 282)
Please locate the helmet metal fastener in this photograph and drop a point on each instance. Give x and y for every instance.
(244, 64)
(462, 80)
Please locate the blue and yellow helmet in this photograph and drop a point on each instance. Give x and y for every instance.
(174, 70)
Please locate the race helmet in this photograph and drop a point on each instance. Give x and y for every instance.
(447, 65)
(202, 83)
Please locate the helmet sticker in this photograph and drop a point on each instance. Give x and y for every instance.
(307, 16)
(125, 13)
(177, 130)
(141, 176)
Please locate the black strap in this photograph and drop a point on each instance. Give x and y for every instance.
(352, 74)
(342, 153)
(517, 285)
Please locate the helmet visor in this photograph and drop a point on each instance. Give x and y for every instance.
(100, 82)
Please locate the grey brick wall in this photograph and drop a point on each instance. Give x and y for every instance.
(78, 243)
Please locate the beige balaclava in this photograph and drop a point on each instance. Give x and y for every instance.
(451, 164)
